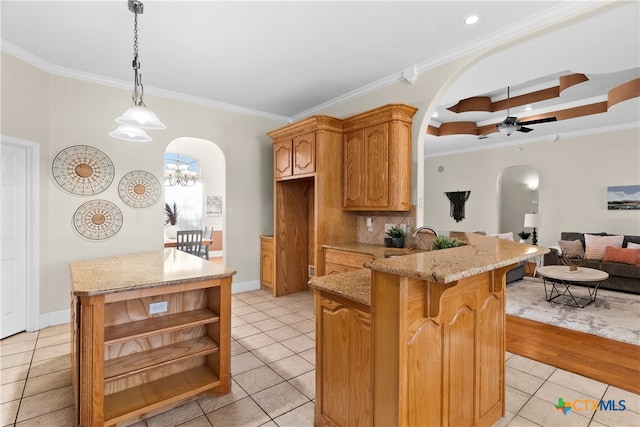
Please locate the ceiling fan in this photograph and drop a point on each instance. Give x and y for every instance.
(511, 123)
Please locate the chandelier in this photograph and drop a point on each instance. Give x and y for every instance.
(178, 173)
(138, 117)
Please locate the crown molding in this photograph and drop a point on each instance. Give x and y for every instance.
(120, 84)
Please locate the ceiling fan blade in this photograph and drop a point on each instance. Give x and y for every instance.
(524, 129)
(535, 122)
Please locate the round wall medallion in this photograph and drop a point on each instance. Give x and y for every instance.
(97, 219)
(139, 189)
(83, 170)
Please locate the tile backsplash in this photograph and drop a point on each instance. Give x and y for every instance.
(376, 233)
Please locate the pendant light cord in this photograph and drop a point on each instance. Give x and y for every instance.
(138, 88)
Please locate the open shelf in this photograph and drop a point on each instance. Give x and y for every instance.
(155, 394)
(151, 359)
(158, 325)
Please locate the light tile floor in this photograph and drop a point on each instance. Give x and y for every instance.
(273, 361)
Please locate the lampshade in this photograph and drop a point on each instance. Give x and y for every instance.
(140, 116)
(531, 220)
(130, 133)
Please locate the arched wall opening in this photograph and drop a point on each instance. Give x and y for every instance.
(200, 206)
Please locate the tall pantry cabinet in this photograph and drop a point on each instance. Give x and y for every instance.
(307, 200)
(327, 169)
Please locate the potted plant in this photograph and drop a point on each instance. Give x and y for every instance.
(396, 234)
(170, 219)
(444, 242)
(524, 236)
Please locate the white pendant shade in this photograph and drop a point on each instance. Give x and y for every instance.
(130, 133)
(142, 117)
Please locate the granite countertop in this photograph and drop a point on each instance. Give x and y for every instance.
(354, 285)
(482, 253)
(140, 271)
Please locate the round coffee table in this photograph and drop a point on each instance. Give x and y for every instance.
(561, 278)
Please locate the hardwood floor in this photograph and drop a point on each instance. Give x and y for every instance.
(612, 362)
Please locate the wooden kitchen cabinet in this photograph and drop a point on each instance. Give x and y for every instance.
(129, 362)
(337, 261)
(308, 202)
(267, 262)
(377, 159)
(295, 157)
(344, 362)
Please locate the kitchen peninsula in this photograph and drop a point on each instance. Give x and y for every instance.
(417, 339)
(149, 331)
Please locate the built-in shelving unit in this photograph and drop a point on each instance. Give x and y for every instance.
(131, 361)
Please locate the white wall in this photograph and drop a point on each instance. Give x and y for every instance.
(58, 112)
(574, 176)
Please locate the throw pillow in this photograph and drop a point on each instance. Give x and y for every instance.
(505, 236)
(595, 245)
(633, 245)
(571, 247)
(623, 255)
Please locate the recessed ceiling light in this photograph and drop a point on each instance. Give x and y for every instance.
(471, 20)
(528, 108)
(435, 114)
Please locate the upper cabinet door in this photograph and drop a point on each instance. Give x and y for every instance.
(353, 169)
(282, 159)
(376, 165)
(304, 154)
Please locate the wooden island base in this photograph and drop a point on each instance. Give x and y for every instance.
(416, 340)
(132, 360)
(429, 354)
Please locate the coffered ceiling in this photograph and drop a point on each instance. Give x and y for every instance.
(287, 60)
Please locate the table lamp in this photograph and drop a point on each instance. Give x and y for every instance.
(531, 220)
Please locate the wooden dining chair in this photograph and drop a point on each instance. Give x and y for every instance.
(189, 241)
(204, 251)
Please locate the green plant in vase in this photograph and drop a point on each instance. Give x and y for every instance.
(396, 234)
(443, 242)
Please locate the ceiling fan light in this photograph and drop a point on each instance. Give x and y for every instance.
(142, 117)
(130, 133)
(506, 130)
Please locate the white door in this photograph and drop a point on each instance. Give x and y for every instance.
(13, 233)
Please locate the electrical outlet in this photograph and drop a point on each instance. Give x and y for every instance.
(388, 226)
(158, 307)
(403, 227)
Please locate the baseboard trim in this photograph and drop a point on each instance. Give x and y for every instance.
(251, 285)
(53, 318)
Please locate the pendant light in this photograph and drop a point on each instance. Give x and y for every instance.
(137, 117)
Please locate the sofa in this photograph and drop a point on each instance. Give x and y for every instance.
(623, 277)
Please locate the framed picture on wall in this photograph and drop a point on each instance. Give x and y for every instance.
(623, 197)
(214, 205)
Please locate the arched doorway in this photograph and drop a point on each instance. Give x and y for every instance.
(200, 204)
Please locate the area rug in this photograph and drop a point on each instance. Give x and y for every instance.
(613, 315)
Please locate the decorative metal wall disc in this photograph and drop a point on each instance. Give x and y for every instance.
(83, 170)
(139, 189)
(97, 219)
